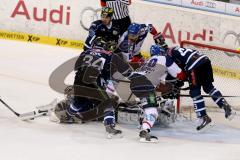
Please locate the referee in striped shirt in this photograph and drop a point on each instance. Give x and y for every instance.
(121, 12)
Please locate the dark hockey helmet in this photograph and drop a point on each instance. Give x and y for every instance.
(157, 50)
(107, 12)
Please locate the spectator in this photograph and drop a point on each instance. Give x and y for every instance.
(121, 12)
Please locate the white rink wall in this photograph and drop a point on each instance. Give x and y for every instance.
(63, 20)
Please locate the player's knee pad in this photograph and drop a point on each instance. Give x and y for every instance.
(150, 116)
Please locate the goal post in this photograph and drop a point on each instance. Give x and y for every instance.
(226, 69)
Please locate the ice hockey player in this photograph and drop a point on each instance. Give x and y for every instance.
(132, 40)
(103, 28)
(88, 99)
(155, 69)
(199, 73)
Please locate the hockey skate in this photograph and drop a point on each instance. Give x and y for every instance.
(205, 123)
(145, 137)
(112, 132)
(229, 112)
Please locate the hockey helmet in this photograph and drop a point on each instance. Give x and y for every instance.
(134, 31)
(107, 12)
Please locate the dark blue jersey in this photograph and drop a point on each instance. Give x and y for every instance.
(187, 59)
(95, 58)
(98, 29)
(105, 62)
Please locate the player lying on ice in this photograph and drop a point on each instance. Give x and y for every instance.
(199, 73)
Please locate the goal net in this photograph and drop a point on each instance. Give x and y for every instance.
(226, 68)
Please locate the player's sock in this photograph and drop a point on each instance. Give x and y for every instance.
(150, 116)
(199, 106)
(222, 103)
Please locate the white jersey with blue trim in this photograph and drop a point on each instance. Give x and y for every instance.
(131, 49)
(157, 67)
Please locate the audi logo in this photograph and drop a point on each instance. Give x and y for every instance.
(210, 4)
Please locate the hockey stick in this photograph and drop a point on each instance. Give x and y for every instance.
(22, 116)
(41, 111)
(185, 95)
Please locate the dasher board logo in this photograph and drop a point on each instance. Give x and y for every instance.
(236, 42)
(88, 15)
(57, 16)
(32, 38)
(60, 42)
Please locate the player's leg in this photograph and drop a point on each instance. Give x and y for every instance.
(198, 101)
(145, 91)
(199, 107)
(214, 92)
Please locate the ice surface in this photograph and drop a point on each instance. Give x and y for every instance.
(24, 73)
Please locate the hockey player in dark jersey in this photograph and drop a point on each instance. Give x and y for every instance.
(200, 75)
(88, 98)
(132, 40)
(103, 28)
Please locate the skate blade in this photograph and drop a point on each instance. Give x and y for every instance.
(232, 116)
(207, 127)
(153, 140)
(114, 136)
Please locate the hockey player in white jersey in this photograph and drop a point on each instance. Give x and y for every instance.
(132, 40)
(155, 69)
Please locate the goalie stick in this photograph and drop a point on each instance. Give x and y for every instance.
(42, 110)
